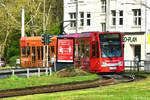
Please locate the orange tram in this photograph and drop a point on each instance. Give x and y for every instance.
(31, 51)
(94, 52)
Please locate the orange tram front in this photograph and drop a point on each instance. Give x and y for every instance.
(31, 51)
(99, 52)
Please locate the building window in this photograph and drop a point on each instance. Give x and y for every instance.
(103, 27)
(72, 19)
(85, 19)
(88, 19)
(137, 16)
(120, 17)
(103, 2)
(113, 14)
(81, 18)
(73, 0)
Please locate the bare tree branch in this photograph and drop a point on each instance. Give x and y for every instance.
(48, 15)
(34, 15)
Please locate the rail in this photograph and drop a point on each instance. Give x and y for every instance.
(104, 81)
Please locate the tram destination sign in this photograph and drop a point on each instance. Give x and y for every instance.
(65, 50)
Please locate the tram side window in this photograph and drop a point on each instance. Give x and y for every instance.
(93, 50)
(87, 50)
(23, 51)
(97, 50)
(76, 50)
(52, 51)
(83, 48)
(33, 54)
(28, 51)
(79, 51)
(38, 52)
(49, 54)
(42, 53)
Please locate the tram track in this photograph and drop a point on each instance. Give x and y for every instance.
(106, 80)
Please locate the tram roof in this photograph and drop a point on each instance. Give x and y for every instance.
(71, 35)
(36, 38)
(31, 38)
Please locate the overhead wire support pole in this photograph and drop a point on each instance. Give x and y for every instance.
(47, 54)
(22, 28)
(44, 17)
(76, 16)
(44, 54)
(44, 32)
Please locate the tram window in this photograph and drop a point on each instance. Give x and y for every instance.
(23, 51)
(93, 50)
(123, 47)
(76, 50)
(97, 50)
(38, 52)
(52, 51)
(83, 48)
(42, 53)
(33, 54)
(49, 54)
(46, 50)
(87, 50)
(79, 51)
(28, 51)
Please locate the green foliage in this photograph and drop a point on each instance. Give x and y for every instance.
(12, 48)
(18, 82)
(138, 90)
(55, 30)
(10, 18)
(13, 77)
(12, 60)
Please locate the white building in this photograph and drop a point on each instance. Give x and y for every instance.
(131, 17)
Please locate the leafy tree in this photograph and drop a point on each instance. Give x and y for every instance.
(10, 19)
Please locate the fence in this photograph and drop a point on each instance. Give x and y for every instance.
(134, 66)
(130, 65)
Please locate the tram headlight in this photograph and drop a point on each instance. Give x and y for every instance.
(103, 64)
(120, 63)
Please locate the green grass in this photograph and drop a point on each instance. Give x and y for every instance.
(15, 82)
(138, 90)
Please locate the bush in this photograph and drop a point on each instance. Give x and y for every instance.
(12, 60)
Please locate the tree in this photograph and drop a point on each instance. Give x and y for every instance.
(10, 19)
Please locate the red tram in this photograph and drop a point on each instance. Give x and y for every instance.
(95, 52)
(99, 52)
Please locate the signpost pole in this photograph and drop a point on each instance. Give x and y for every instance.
(47, 61)
(43, 55)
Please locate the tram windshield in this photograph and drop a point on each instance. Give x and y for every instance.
(110, 45)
